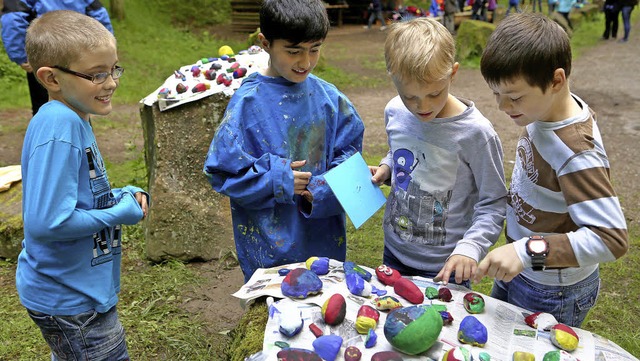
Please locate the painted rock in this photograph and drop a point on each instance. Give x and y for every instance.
(357, 285)
(350, 267)
(413, 329)
(315, 330)
(239, 73)
(387, 275)
(408, 290)
(523, 356)
(472, 332)
(447, 318)
(215, 66)
(301, 283)
(200, 87)
(457, 354)
(371, 339)
(386, 303)
(181, 88)
(367, 319)
(431, 293)
(334, 309)
(352, 353)
(297, 354)
(223, 79)
(541, 321)
(319, 265)
(386, 356)
(291, 322)
(483, 356)
(210, 74)
(473, 303)
(327, 346)
(195, 71)
(283, 271)
(559, 355)
(164, 93)
(444, 294)
(225, 50)
(564, 337)
(254, 49)
(281, 344)
(178, 75)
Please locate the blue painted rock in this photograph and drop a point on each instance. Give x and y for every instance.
(387, 275)
(559, 355)
(239, 73)
(301, 283)
(327, 346)
(447, 318)
(283, 271)
(472, 332)
(541, 321)
(291, 322)
(357, 285)
(319, 265)
(352, 353)
(297, 354)
(564, 337)
(386, 356)
(408, 290)
(386, 303)
(371, 339)
(473, 303)
(366, 319)
(195, 71)
(413, 329)
(350, 267)
(457, 354)
(523, 356)
(444, 294)
(334, 309)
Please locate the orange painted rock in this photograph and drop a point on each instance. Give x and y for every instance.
(408, 290)
(334, 309)
(564, 337)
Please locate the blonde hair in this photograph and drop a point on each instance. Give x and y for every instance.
(63, 36)
(419, 49)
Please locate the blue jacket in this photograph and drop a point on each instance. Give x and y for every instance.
(70, 261)
(268, 123)
(17, 14)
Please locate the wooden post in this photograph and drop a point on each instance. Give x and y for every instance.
(117, 9)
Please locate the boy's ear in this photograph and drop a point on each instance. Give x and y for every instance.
(559, 80)
(454, 70)
(47, 78)
(264, 43)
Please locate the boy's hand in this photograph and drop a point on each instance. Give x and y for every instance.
(463, 267)
(141, 198)
(300, 179)
(502, 264)
(379, 174)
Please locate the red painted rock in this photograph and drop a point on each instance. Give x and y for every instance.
(457, 354)
(352, 353)
(181, 88)
(541, 321)
(367, 319)
(239, 73)
(210, 74)
(334, 309)
(386, 356)
(564, 337)
(315, 330)
(195, 71)
(387, 275)
(297, 354)
(444, 294)
(408, 290)
(200, 87)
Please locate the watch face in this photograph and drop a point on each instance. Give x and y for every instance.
(537, 246)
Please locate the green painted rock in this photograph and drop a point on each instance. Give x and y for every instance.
(413, 329)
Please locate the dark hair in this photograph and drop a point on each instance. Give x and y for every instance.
(297, 21)
(529, 45)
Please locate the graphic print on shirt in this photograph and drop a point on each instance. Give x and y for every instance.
(423, 180)
(308, 143)
(106, 242)
(524, 169)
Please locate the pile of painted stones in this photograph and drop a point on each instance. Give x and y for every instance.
(410, 330)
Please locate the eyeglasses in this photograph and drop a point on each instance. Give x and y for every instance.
(98, 78)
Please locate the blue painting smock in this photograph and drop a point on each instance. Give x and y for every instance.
(70, 261)
(269, 123)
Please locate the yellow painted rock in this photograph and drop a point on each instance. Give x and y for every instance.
(225, 50)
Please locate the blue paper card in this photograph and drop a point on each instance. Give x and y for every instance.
(351, 183)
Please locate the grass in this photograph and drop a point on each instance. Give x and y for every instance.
(157, 328)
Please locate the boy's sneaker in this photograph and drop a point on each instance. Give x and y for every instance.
(383, 28)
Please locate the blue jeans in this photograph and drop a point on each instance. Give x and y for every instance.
(89, 336)
(392, 261)
(568, 304)
(626, 20)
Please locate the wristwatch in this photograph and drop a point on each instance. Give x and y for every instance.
(537, 249)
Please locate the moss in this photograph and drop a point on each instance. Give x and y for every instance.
(11, 225)
(247, 337)
(472, 37)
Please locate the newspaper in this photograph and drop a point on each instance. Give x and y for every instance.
(507, 331)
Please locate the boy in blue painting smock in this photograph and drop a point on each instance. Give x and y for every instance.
(282, 130)
(68, 274)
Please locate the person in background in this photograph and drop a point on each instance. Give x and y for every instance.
(553, 4)
(448, 195)
(626, 7)
(564, 8)
(68, 273)
(448, 20)
(611, 15)
(375, 12)
(513, 4)
(16, 16)
(283, 129)
(563, 215)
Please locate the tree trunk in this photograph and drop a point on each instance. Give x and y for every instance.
(117, 9)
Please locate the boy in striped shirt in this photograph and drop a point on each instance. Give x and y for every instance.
(563, 216)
